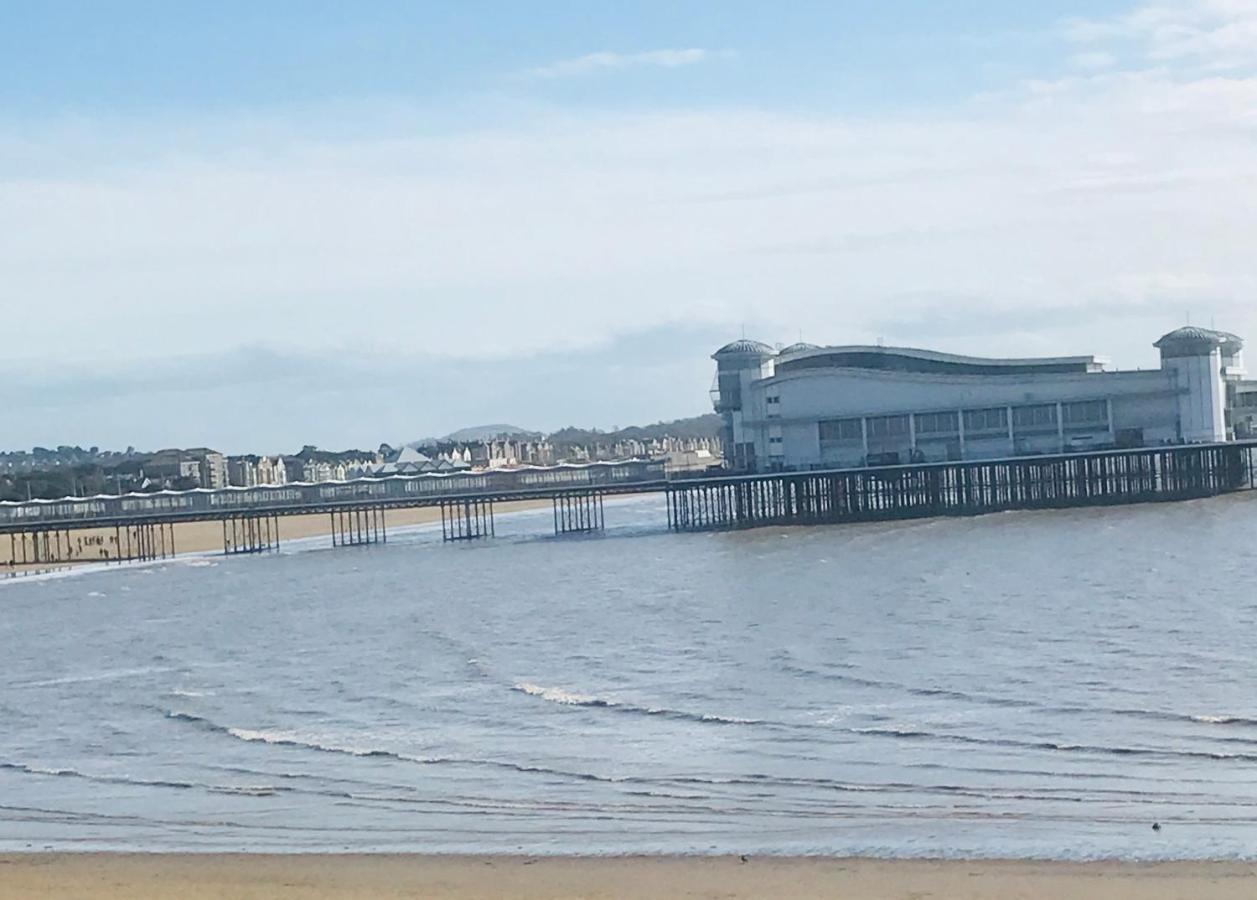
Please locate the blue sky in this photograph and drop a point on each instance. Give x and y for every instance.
(401, 219)
(100, 57)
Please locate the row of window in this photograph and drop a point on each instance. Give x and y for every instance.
(1042, 416)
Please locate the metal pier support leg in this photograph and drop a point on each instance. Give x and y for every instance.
(464, 520)
(578, 512)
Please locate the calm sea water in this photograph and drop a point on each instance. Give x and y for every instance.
(1038, 684)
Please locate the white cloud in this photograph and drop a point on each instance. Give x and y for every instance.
(599, 62)
(1095, 59)
(1082, 214)
(1110, 191)
(1215, 34)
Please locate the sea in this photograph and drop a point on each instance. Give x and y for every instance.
(1060, 685)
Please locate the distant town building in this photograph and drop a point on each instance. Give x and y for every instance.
(696, 460)
(205, 467)
(807, 406)
(242, 471)
(212, 467)
(411, 461)
(172, 465)
(265, 471)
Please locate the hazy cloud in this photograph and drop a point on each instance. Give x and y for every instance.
(1087, 212)
(1095, 59)
(1210, 33)
(260, 399)
(600, 62)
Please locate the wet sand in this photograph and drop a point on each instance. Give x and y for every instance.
(108, 876)
(93, 545)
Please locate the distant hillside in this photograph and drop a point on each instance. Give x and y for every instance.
(705, 426)
(479, 433)
(488, 432)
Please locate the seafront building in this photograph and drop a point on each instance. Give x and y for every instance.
(202, 465)
(807, 407)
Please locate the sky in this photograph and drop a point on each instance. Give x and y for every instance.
(255, 226)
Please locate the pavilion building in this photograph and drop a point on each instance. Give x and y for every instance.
(808, 407)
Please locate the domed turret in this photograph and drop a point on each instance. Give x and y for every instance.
(1191, 340)
(1201, 359)
(800, 347)
(743, 347)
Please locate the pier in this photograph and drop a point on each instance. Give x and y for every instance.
(251, 518)
(962, 488)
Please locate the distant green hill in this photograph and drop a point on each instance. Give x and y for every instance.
(488, 433)
(705, 426)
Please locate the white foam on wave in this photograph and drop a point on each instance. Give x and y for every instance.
(558, 695)
(54, 574)
(571, 698)
(1219, 720)
(43, 770)
(282, 737)
(731, 720)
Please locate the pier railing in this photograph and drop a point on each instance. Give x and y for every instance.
(963, 488)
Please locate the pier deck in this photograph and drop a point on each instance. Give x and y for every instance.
(1102, 478)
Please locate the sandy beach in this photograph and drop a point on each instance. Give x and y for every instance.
(107, 876)
(92, 545)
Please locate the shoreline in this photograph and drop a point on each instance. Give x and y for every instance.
(350, 876)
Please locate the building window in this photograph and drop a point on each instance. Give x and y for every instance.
(1041, 417)
(1247, 400)
(774, 440)
(937, 423)
(995, 419)
(1085, 412)
(888, 426)
(841, 430)
(770, 400)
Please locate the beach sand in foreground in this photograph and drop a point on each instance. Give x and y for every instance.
(110, 876)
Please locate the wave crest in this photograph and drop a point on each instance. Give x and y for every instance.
(570, 698)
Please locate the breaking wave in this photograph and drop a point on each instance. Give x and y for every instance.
(568, 698)
(302, 742)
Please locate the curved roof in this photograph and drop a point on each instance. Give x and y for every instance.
(797, 348)
(909, 359)
(744, 347)
(1193, 338)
